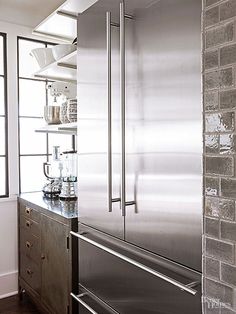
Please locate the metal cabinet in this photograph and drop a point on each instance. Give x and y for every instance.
(46, 262)
(55, 261)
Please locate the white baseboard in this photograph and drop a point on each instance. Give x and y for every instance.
(8, 284)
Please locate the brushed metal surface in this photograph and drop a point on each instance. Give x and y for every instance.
(129, 290)
(93, 163)
(164, 128)
(184, 287)
(54, 268)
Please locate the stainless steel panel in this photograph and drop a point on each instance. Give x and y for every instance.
(90, 303)
(164, 128)
(129, 290)
(93, 119)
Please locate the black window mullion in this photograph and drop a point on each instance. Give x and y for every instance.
(4, 76)
(46, 103)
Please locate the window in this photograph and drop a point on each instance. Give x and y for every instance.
(35, 148)
(4, 190)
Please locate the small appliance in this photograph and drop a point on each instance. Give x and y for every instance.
(69, 176)
(53, 172)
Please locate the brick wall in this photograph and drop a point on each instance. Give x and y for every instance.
(219, 87)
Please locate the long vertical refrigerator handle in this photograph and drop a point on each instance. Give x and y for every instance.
(123, 107)
(108, 30)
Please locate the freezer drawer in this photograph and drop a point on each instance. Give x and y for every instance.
(150, 285)
(89, 303)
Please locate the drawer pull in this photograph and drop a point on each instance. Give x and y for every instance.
(28, 244)
(43, 256)
(28, 210)
(188, 287)
(28, 223)
(29, 272)
(78, 299)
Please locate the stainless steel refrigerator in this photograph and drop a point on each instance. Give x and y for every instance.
(140, 164)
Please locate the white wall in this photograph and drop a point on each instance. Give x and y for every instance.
(8, 207)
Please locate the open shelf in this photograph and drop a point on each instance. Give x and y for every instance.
(62, 23)
(64, 69)
(67, 128)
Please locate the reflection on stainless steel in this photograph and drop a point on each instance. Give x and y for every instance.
(156, 139)
(93, 123)
(149, 270)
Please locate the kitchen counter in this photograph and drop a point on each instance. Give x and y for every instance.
(65, 209)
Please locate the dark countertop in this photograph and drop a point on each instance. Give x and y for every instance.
(66, 209)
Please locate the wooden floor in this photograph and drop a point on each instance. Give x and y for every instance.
(13, 305)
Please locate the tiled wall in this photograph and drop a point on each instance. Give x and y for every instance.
(219, 86)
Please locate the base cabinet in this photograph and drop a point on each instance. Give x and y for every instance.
(46, 263)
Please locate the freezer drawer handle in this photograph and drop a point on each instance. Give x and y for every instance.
(108, 30)
(78, 299)
(178, 284)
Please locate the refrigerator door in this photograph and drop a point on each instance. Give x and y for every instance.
(128, 289)
(164, 128)
(98, 140)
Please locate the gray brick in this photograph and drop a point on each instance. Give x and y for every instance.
(211, 59)
(219, 122)
(220, 35)
(210, 2)
(227, 209)
(219, 165)
(228, 55)
(212, 207)
(220, 292)
(227, 311)
(228, 188)
(212, 16)
(227, 143)
(228, 99)
(219, 79)
(210, 307)
(211, 186)
(228, 10)
(212, 227)
(211, 101)
(212, 144)
(212, 268)
(228, 230)
(220, 250)
(228, 274)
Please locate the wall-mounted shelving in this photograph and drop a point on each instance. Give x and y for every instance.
(68, 128)
(61, 23)
(60, 70)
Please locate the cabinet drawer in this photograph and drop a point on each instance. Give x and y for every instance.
(29, 225)
(30, 245)
(30, 272)
(29, 212)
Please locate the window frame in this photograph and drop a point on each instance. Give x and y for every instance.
(46, 81)
(5, 116)
(19, 38)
